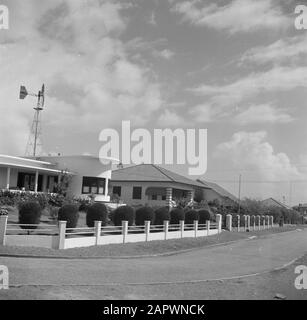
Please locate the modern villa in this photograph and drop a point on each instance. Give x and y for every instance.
(88, 174)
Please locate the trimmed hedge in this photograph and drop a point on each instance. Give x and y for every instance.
(191, 216)
(162, 214)
(144, 214)
(96, 212)
(69, 213)
(204, 216)
(29, 213)
(177, 215)
(123, 213)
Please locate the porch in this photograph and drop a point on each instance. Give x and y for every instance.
(21, 174)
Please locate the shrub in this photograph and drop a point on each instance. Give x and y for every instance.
(191, 216)
(177, 215)
(69, 213)
(123, 213)
(144, 214)
(204, 215)
(162, 214)
(29, 213)
(96, 212)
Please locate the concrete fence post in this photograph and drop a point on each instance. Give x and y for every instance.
(62, 234)
(147, 230)
(195, 228)
(229, 222)
(263, 222)
(181, 228)
(254, 222)
(208, 227)
(238, 218)
(248, 222)
(245, 222)
(267, 220)
(272, 221)
(219, 223)
(97, 231)
(165, 228)
(3, 224)
(259, 222)
(124, 230)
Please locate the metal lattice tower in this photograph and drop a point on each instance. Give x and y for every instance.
(34, 145)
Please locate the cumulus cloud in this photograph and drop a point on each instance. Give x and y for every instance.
(165, 54)
(281, 51)
(204, 113)
(74, 47)
(263, 113)
(170, 119)
(276, 79)
(250, 150)
(236, 16)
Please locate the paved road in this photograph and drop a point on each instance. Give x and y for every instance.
(236, 259)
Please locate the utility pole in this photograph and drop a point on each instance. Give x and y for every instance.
(290, 193)
(240, 176)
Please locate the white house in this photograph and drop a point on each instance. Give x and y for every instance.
(151, 184)
(88, 174)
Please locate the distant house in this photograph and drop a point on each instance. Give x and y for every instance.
(151, 184)
(88, 174)
(271, 202)
(214, 191)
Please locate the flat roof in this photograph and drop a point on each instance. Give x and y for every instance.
(7, 164)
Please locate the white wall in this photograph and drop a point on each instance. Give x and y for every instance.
(13, 177)
(127, 190)
(82, 166)
(32, 241)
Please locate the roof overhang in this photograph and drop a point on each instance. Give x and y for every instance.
(32, 168)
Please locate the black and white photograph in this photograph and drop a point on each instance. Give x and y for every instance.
(153, 152)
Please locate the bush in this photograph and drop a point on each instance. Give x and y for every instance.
(96, 212)
(162, 214)
(191, 216)
(29, 213)
(123, 213)
(144, 214)
(204, 216)
(69, 213)
(177, 215)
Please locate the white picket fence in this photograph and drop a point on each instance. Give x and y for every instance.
(61, 237)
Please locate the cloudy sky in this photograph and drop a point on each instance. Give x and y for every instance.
(235, 67)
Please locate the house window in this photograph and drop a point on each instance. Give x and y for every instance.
(163, 198)
(93, 185)
(154, 197)
(137, 193)
(117, 190)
